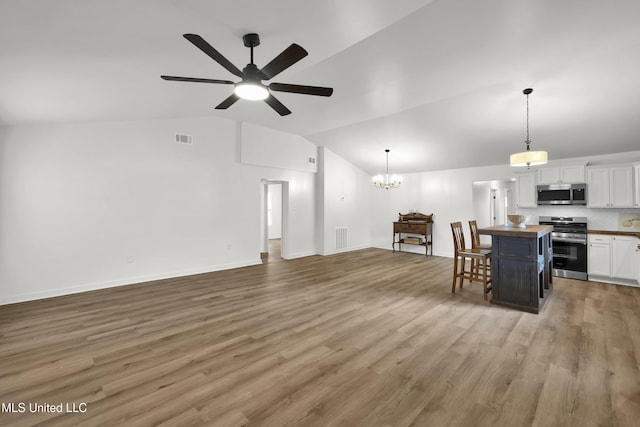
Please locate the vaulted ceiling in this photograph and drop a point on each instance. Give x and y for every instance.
(437, 82)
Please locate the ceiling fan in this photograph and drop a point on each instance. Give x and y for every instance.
(251, 86)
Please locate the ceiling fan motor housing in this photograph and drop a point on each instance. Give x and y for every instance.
(251, 73)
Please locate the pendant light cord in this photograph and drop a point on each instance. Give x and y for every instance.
(387, 162)
(528, 141)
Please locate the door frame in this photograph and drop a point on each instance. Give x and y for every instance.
(264, 232)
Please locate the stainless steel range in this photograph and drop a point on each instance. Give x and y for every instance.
(569, 242)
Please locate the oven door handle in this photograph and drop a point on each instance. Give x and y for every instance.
(569, 240)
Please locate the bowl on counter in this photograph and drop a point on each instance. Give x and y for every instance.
(518, 220)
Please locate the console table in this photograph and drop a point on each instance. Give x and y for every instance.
(417, 224)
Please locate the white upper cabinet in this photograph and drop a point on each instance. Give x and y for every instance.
(621, 195)
(598, 187)
(561, 175)
(610, 187)
(526, 190)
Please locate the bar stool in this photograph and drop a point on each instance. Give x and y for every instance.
(475, 243)
(481, 256)
(475, 237)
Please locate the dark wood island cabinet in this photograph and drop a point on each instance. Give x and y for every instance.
(521, 265)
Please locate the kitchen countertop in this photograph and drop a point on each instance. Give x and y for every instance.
(615, 232)
(531, 230)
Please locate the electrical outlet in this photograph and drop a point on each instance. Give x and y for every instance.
(130, 259)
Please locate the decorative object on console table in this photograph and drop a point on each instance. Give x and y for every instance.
(414, 223)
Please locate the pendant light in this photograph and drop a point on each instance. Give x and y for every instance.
(528, 158)
(387, 181)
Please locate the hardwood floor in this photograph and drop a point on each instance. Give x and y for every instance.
(275, 252)
(365, 338)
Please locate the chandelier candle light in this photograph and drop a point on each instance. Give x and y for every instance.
(387, 181)
(528, 158)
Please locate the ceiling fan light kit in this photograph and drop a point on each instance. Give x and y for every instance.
(528, 158)
(251, 86)
(387, 181)
(251, 91)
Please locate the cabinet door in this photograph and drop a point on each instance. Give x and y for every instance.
(636, 171)
(623, 257)
(549, 176)
(572, 174)
(621, 187)
(599, 264)
(637, 260)
(598, 189)
(526, 186)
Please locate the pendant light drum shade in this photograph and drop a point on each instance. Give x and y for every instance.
(528, 158)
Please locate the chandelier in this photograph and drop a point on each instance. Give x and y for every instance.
(528, 158)
(387, 181)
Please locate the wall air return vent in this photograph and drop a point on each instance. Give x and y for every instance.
(341, 237)
(183, 139)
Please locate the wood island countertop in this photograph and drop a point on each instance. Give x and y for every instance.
(531, 231)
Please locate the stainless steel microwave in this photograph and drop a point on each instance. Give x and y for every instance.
(562, 194)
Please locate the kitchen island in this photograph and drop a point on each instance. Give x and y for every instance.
(521, 265)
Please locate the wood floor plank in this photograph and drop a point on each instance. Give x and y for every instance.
(365, 338)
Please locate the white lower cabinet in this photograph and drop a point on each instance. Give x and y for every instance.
(623, 257)
(614, 257)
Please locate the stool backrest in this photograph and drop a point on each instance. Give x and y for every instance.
(458, 236)
(475, 237)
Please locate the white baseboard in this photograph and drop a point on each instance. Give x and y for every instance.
(349, 249)
(613, 280)
(50, 293)
(301, 255)
(444, 255)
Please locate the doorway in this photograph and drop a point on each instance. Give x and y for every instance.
(492, 201)
(274, 220)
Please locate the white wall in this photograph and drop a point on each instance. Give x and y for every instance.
(94, 205)
(346, 202)
(447, 194)
(272, 148)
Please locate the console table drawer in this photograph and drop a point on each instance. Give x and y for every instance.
(411, 228)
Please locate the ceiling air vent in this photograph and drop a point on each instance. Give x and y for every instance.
(184, 139)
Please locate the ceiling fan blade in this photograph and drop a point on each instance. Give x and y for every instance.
(201, 44)
(286, 59)
(277, 105)
(227, 102)
(305, 90)
(196, 80)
